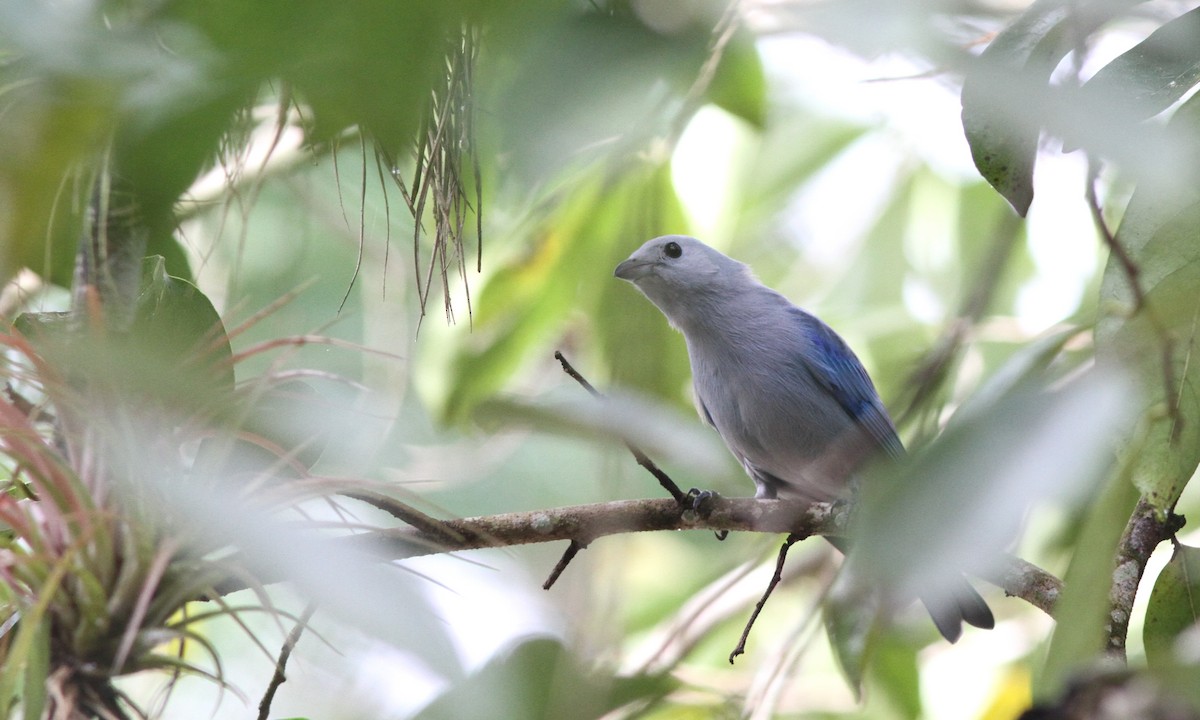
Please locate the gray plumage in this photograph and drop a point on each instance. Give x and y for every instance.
(785, 392)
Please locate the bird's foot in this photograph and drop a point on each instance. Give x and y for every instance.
(701, 501)
(700, 505)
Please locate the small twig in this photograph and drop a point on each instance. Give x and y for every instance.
(1133, 278)
(404, 513)
(641, 457)
(1128, 266)
(570, 370)
(567, 556)
(762, 602)
(264, 707)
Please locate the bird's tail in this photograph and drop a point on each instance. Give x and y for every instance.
(962, 604)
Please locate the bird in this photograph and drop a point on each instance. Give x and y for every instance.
(785, 392)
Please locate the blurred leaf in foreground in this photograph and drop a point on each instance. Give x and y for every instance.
(539, 679)
(1157, 341)
(956, 506)
(1082, 613)
(662, 432)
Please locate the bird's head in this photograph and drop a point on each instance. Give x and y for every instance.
(677, 268)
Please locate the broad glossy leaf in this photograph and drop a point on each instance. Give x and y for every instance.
(175, 260)
(181, 338)
(1158, 232)
(1152, 75)
(175, 354)
(280, 424)
(1002, 96)
(1174, 606)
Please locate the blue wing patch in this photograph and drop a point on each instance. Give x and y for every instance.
(835, 368)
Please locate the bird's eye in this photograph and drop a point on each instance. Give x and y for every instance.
(672, 250)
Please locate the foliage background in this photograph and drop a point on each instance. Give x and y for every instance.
(819, 143)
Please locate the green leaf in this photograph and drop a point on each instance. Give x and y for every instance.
(369, 64)
(80, 80)
(1024, 366)
(1152, 75)
(50, 129)
(662, 432)
(1174, 606)
(896, 671)
(175, 353)
(1081, 614)
(851, 615)
(525, 304)
(557, 110)
(540, 680)
(782, 165)
(179, 336)
(37, 673)
(739, 85)
(1158, 232)
(1002, 94)
(29, 650)
(956, 506)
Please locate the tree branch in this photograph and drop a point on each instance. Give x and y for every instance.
(582, 524)
(1146, 529)
(1022, 579)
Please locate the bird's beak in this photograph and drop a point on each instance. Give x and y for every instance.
(632, 269)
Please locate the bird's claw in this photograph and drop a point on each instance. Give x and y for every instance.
(701, 501)
(700, 505)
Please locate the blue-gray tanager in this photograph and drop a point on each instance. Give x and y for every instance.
(787, 395)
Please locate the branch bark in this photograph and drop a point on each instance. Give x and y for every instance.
(1147, 527)
(583, 524)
